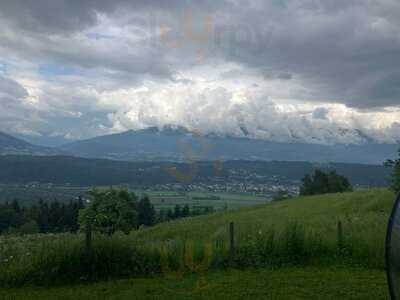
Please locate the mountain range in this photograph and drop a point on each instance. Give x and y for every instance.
(14, 146)
(178, 144)
(22, 169)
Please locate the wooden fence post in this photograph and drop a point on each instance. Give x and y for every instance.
(88, 240)
(340, 242)
(232, 239)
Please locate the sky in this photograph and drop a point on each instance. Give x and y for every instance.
(315, 71)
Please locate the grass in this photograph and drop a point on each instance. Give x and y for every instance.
(280, 235)
(286, 283)
(168, 200)
(364, 213)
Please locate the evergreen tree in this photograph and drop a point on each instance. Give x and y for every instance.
(177, 212)
(146, 212)
(43, 217)
(170, 215)
(185, 211)
(395, 180)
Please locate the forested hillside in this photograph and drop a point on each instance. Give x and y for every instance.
(85, 172)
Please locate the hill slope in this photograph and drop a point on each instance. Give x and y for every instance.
(11, 145)
(324, 269)
(178, 144)
(363, 213)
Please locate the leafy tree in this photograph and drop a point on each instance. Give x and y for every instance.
(146, 211)
(110, 211)
(395, 165)
(323, 183)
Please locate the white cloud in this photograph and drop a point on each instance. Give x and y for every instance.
(303, 70)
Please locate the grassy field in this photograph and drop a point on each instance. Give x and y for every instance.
(287, 283)
(363, 213)
(28, 194)
(168, 200)
(293, 245)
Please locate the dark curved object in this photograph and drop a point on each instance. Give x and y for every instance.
(392, 253)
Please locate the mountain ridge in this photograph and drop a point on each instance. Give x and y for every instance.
(176, 143)
(10, 145)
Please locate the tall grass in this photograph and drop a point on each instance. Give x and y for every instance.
(64, 259)
(60, 259)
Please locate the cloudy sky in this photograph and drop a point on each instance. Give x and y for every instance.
(325, 71)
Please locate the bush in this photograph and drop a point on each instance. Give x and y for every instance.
(324, 183)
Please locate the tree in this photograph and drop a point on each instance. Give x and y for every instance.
(323, 183)
(395, 165)
(43, 216)
(110, 211)
(7, 217)
(177, 211)
(146, 211)
(186, 211)
(170, 215)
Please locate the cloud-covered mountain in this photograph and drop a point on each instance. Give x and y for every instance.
(276, 66)
(180, 144)
(11, 145)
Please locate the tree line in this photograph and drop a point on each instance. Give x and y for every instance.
(111, 209)
(43, 217)
(330, 182)
(120, 210)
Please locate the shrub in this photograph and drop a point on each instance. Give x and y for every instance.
(324, 183)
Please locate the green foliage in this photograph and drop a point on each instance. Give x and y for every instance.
(60, 259)
(302, 232)
(146, 211)
(324, 183)
(110, 211)
(395, 165)
(43, 217)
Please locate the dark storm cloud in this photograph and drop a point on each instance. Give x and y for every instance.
(66, 16)
(45, 30)
(343, 51)
(336, 51)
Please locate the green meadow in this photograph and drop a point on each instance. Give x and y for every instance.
(316, 247)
